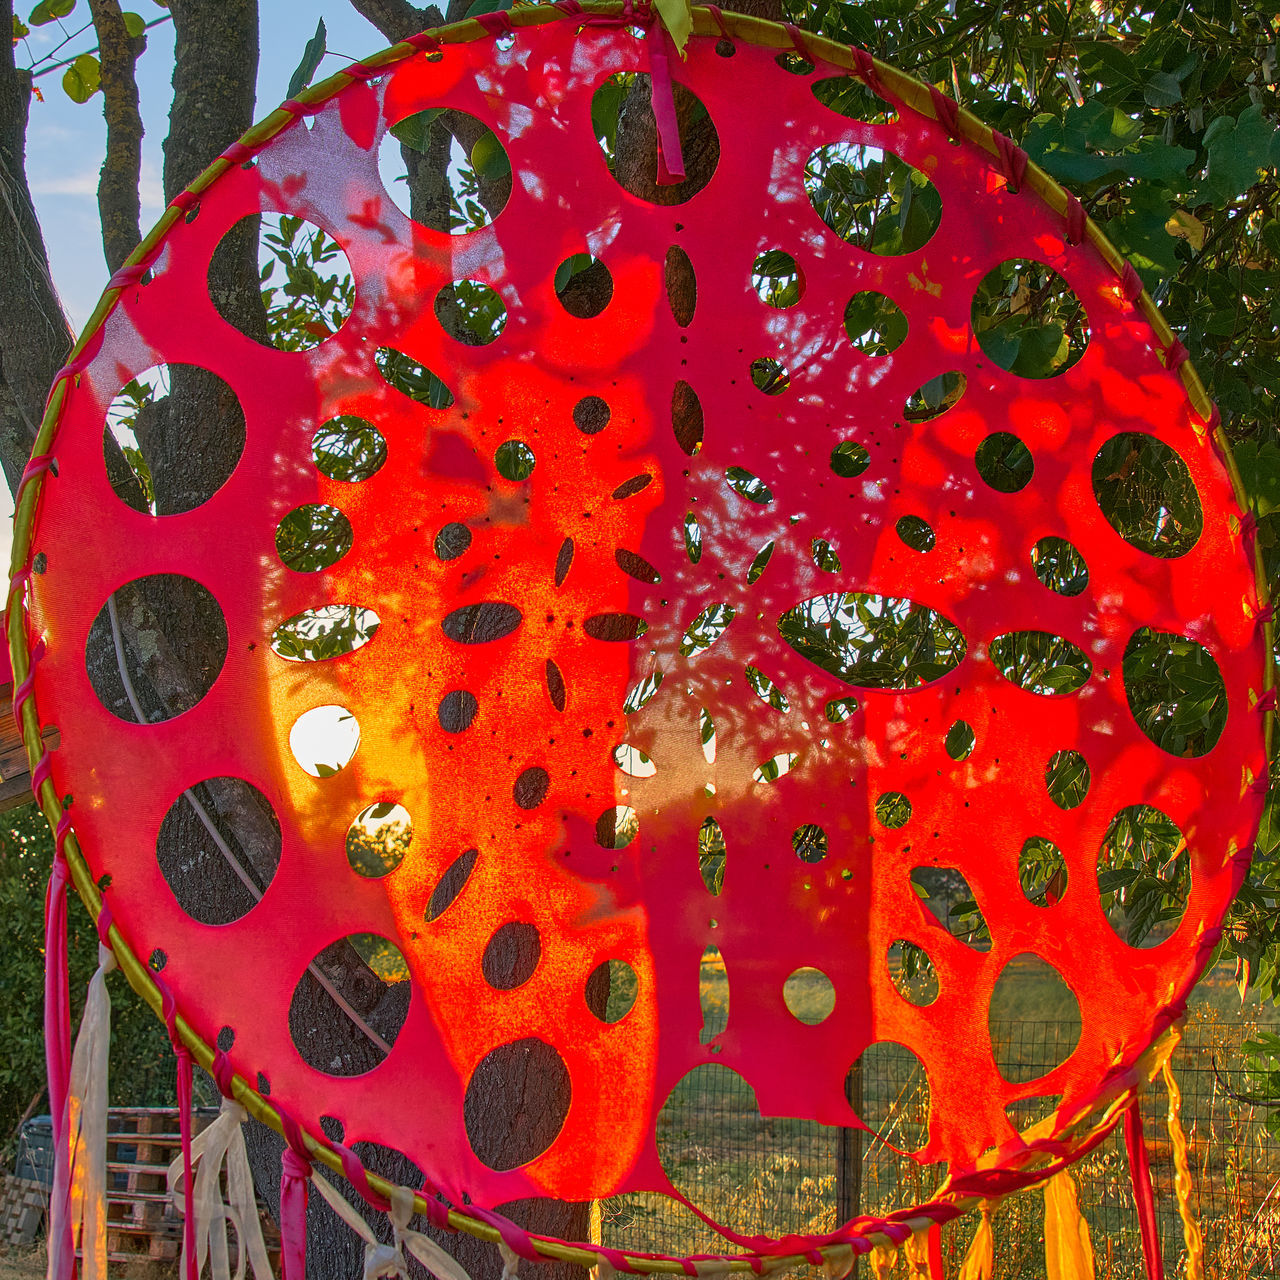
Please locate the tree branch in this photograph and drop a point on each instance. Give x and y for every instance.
(119, 206)
(396, 19)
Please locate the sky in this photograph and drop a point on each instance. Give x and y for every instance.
(66, 140)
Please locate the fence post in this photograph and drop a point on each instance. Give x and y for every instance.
(849, 1158)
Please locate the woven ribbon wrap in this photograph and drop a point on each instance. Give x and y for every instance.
(732, 596)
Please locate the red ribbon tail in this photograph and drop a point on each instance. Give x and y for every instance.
(294, 1176)
(670, 156)
(1140, 1173)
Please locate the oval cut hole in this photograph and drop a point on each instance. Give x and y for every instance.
(838, 710)
(1146, 493)
(849, 97)
(635, 167)
(770, 376)
(379, 838)
(612, 987)
(945, 895)
(872, 199)
(349, 1005)
(824, 556)
(713, 994)
(313, 537)
(687, 422)
(960, 740)
(635, 566)
(776, 279)
(516, 1103)
(452, 541)
(912, 973)
(711, 855)
(324, 739)
(451, 884)
(412, 378)
(874, 323)
(749, 486)
(1004, 462)
(706, 629)
(1040, 662)
(760, 563)
(218, 849)
(443, 141)
(1029, 987)
(348, 448)
(1175, 691)
(615, 627)
(146, 624)
(633, 762)
(916, 533)
(584, 285)
(511, 956)
(471, 312)
(531, 787)
(682, 286)
(933, 398)
(810, 996)
(481, 623)
(457, 709)
(1144, 875)
(889, 1092)
(810, 842)
(1042, 872)
(1027, 319)
(1059, 566)
(849, 459)
(876, 642)
(766, 690)
(329, 631)
(191, 403)
(1066, 777)
(305, 289)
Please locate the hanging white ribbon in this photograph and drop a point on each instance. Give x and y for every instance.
(87, 1127)
(385, 1260)
(223, 1141)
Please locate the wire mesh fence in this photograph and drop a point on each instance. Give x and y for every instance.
(776, 1175)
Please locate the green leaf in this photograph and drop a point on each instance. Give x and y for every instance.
(50, 11)
(134, 23)
(1238, 150)
(489, 159)
(1162, 90)
(311, 56)
(82, 78)
(20, 28)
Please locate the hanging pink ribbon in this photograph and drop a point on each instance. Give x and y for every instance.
(670, 156)
(295, 1179)
(57, 1049)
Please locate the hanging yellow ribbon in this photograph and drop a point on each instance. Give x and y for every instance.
(979, 1261)
(1182, 1179)
(677, 17)
(1068, 1253)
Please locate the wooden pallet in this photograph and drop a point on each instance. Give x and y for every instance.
(22, 1206)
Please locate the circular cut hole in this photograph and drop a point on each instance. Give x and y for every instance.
(324, 739)
(623, 104)
(1028, 320)
(516, 1103)
(611, 990)
(1066, 777)
(893, 809)
(872, 199)
(1031, 988)
(584, 285)
(313, 537)
(305, 290)
(1059, 566)
(776, 279)
(457, 710)
(809, 995)
(370, 976)
(810, 842)
(167, 402)
(849, 459)
(218, 849)
(419, 149)
(452, 541)
(155, 648)
(348, 448)
(876, 325)
(960, 739)
(531, 786)
(451, 884)
(511, 956)
(1042, 871)
(471, 312)
(1175, 691)
(917, 533)
(514, 460)
(617, 827)
(591, 415)
(1004, 462)
(379, 838)
(1147, 495)
(770, 376)
(1144, 875)
(889, 1092)
(912, 973)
